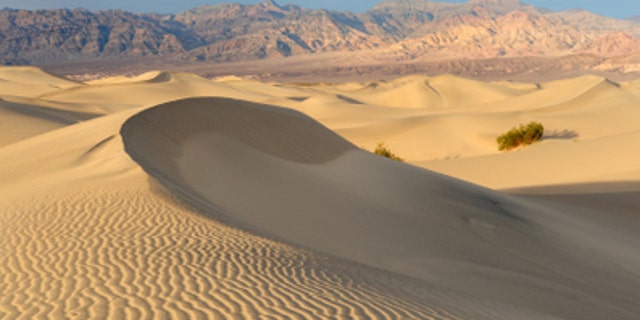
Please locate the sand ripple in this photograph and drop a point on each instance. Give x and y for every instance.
(129, 255)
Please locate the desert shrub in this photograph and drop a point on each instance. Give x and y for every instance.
(386, 152)
(522, 135)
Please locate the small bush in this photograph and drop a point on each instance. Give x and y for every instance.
(522, 135)
(386, 152)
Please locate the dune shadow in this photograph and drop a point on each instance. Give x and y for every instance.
(561, 135)
(348, 99)
(298, 99)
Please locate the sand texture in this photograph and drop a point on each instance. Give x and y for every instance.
(169, 196)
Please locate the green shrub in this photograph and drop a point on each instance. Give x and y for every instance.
(386, 152)
(522, 135)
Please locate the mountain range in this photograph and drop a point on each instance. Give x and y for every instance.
(394, 31)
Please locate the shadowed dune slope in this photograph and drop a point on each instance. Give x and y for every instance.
(277, 172)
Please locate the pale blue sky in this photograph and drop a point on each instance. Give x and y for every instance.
(614, 8)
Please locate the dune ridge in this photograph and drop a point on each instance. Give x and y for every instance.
(364, 208)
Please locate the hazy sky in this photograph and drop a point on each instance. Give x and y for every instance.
(615, 8)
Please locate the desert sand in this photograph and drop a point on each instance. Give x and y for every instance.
(170, 196)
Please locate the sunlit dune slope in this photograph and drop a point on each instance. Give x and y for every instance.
(31, 82)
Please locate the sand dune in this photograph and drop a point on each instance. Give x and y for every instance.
(31, 82)
(23, 115)
(146, 90)
(606, 160)
(580, 111)
(172, 196)
(20, 121)
(413, 92)
(85, 235)
(277, 173)
(443, 91)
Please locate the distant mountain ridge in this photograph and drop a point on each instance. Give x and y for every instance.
(397, 30)
(62, 35)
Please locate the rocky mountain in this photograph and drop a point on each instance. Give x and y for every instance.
(395, 30)
(234, 31)
(517, 33)
(60, 35)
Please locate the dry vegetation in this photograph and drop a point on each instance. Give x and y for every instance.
(382, 150)
(520, 136)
